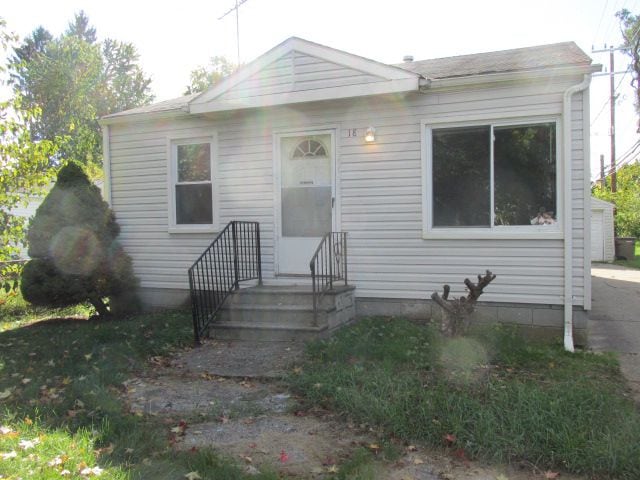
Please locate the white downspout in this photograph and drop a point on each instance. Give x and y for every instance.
(568, 211)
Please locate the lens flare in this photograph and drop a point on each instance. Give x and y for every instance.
(76, 251)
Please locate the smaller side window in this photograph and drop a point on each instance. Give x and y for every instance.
(193, 182)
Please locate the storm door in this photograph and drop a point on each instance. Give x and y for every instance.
(306, 198)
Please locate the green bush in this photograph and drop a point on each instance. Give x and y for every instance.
(75, 255)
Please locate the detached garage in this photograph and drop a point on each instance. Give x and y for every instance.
(602, 246)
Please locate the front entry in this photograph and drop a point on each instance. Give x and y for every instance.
(306, 197)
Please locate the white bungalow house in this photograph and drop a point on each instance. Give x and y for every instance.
(437, 170)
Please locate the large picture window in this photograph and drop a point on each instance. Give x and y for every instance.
(493, 176)
(192, 185)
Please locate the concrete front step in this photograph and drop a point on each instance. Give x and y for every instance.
(278, 313)
(274, 314)
(284, 295)
(267, 332)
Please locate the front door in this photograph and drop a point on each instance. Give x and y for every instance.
(306, 194)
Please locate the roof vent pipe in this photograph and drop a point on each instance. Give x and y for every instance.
(407, 58)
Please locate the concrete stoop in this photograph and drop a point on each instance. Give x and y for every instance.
(283, 313)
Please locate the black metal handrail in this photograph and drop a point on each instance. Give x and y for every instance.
(232, 257)
(328, 265)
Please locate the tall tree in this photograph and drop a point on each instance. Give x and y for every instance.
(74, 80)
(630, 28)
(204, 77)
(81, 28)
(626, 199)
(23, 170)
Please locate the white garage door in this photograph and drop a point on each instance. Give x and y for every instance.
(597, 243)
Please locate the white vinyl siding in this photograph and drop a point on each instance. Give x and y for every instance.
(379, 193)
(297, 72)
(602, 236)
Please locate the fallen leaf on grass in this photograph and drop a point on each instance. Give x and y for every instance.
(27, 444)
(6, 393)
(91, 471)
(418, 461)
(55, 461)
(332, 469)
(374, 446)
(88, 356)
(8, 455)
(284, 458)
(180, 428)
(192, 476)
(412, 448)
(449, 438)
(108, 450)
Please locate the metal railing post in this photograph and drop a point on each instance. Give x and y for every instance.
(313, 290)
(330, 258)
(194, 313)
(344, 258)
(259, 254)
(236, 274)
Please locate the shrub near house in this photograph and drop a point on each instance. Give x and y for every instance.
(75, 255)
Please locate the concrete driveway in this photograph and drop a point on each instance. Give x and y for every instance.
(614, 322)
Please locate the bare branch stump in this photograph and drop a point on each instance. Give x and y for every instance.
(456, 311)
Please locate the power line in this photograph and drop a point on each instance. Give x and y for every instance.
(600, 21)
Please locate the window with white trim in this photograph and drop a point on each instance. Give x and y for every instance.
(192, 182)
(493, 176)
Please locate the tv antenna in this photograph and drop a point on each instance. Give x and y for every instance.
(236, 8)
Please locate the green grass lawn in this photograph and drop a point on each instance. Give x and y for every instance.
(60, 410)
(491, 396)
(631, 263)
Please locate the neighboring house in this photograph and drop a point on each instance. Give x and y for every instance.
(472, 163)
(602, 237)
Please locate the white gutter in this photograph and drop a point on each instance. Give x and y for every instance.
(106, 163)
(568, 211)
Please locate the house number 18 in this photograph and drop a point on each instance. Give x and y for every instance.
(352, 132)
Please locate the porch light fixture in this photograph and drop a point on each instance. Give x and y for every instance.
(370, 135)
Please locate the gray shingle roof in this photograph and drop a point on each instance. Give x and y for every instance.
(529, 58)
(518, 59)
(164, 106)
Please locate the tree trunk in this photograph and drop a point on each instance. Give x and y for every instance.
(99, 305)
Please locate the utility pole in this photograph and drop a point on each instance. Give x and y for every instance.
(237, 9)
(612, 90)
(612, 108)
(603, 180)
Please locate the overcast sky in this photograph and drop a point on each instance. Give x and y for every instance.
(175, 37)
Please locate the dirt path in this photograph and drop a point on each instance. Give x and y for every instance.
(229, 396)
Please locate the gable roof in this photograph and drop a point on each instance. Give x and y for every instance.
(503, 61)
(285, 75)
(598, 204)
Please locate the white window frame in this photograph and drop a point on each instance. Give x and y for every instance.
(492, 231)
(172, 180)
